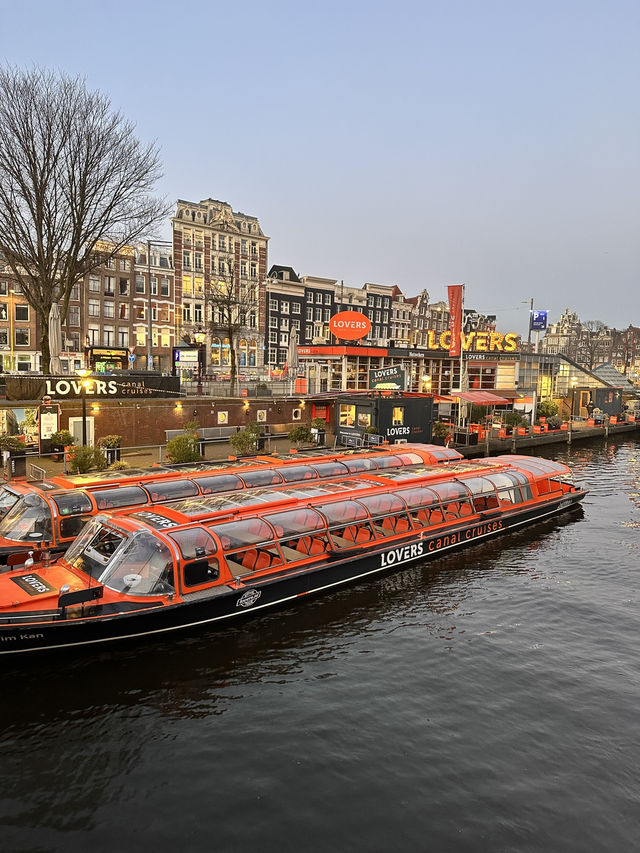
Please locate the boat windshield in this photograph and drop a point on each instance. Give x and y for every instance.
(94, 547)
(143, 566)
(7, 499)
(28, 520)
(140, 564)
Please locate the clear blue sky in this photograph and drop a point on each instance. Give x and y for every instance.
(410, 143)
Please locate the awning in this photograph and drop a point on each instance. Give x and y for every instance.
(481, 398)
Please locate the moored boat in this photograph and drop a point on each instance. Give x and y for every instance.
(205, 560)
(49, 514)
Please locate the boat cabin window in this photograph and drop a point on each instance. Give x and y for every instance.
(389, 462)
(122, 496)
(388, 512)
(295, 522)
(301, 532)
(195, 542)
(507, 486)
(71, 526)
(483, 493)
(410, 458)
(235, 534)
(295, 473)
(349, 523)
(454, 498)
(143, 566)
(72, 503)
(171, 489)
(423, 504)
(94, 547)
(28, 520)
(331, 469)
(357, 464)
(199, 572)
(261, 478)
(221, 483)
(7, 499)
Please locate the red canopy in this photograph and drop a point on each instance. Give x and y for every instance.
(481, 398)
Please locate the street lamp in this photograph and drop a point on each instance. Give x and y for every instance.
(573, 393)
(83, 373)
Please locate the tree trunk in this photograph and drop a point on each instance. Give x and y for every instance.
(44, 348)
(232, 375)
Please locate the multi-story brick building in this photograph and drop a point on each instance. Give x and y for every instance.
(18, 327)
(215, 246)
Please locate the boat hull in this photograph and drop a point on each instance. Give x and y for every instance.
(98, 624)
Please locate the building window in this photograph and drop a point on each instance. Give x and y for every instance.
(186, 260)
(273, 337)
(108, 309)
(309, 316)
(154, 286)
(273, 322)
(4, 288)
(110, 263)
(73, 315)
(123, 336)
(109, 285)
(140, 284)
(198, 260)
(243, 269)
(124, 312)
(273, 305)
(94, 308)
(327, 299)
(125, 265)
(296, 308)
(94, 283)
(23, 337)
(347, 415)
(253, 271)
(186, 312)
(397, 416)
(165, 290)
(75, 292)
(4, 313)
(4, 337)
(197, 313)
(285, 307)
(308, 332)
(318, 299)
(123, 287)
(107, 336)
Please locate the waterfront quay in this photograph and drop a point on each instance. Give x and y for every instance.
(531, 442)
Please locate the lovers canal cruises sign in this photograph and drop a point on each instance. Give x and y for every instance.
(103, 387)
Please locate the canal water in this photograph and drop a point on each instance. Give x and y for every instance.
(488, 701)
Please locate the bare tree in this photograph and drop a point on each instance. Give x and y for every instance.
(72, 174)
(234, 312)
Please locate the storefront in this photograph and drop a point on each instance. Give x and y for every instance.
(105, 360)
(393, 416)
(490, 362)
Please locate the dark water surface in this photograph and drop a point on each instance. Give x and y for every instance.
(489, 701)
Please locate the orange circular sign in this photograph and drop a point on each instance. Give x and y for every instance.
(350, 325)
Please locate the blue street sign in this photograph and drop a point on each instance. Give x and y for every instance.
(538, 320)
(132, 358)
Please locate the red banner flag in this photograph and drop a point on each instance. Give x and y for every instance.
(455, 317)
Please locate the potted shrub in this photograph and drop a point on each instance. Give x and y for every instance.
(60, 441)
(301, 434)
(84, 458)
(110, 444)
(183, 448)
(247, 441)
(439, 432)
(319, 430)
(16, 461)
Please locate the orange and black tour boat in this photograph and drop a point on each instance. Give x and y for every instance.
(206, 559)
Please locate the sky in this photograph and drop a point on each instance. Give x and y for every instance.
(421, 144)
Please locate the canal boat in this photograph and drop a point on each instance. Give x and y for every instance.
(49, 514)
(208, 560)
